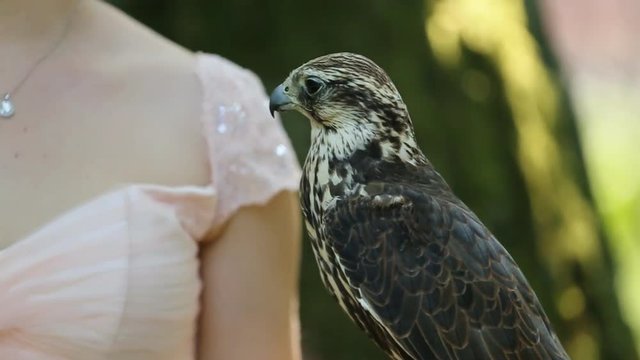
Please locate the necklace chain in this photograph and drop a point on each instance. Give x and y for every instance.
(7, 108)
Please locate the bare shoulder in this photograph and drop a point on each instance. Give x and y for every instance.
(156, 96)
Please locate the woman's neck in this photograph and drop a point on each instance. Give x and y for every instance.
(29, 29)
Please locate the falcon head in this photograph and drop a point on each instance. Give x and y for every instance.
(349, 96)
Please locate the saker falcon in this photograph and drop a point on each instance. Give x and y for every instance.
(408, 261)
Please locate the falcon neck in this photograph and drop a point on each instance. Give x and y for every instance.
(374, 161)
(379, 142)
(340, 143)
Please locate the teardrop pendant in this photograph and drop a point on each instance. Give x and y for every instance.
(7, 109)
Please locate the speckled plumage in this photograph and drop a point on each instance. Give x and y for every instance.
(403, 256)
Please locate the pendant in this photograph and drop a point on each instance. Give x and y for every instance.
(7, 109)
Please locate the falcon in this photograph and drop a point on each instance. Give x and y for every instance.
(406, 259)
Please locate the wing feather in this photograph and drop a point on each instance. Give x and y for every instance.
(436, 279)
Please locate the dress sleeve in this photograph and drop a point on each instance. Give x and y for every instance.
(251, 157)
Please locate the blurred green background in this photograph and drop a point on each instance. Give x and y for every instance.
(492, 114)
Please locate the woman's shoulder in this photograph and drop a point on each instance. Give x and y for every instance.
(156, 98)
(191, 112)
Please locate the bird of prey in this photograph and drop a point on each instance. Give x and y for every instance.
(407, 260)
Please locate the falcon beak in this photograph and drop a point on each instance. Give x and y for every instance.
(279, 100)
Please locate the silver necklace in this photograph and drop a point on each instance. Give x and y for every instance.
(7, 107)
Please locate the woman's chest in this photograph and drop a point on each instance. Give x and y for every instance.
(55, 158)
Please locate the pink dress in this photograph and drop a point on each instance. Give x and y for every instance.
(117, 277)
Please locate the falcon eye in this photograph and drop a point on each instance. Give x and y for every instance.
(312, 85)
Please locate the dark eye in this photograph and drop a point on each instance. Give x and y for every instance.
(313, 85)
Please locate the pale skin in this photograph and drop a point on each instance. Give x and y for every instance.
(117, 104)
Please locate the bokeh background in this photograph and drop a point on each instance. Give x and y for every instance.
(530, 109)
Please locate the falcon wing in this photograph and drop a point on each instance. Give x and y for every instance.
(435, 279)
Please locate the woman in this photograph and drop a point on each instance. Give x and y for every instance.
(147, 197)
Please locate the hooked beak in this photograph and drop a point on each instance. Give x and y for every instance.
(279, 101)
